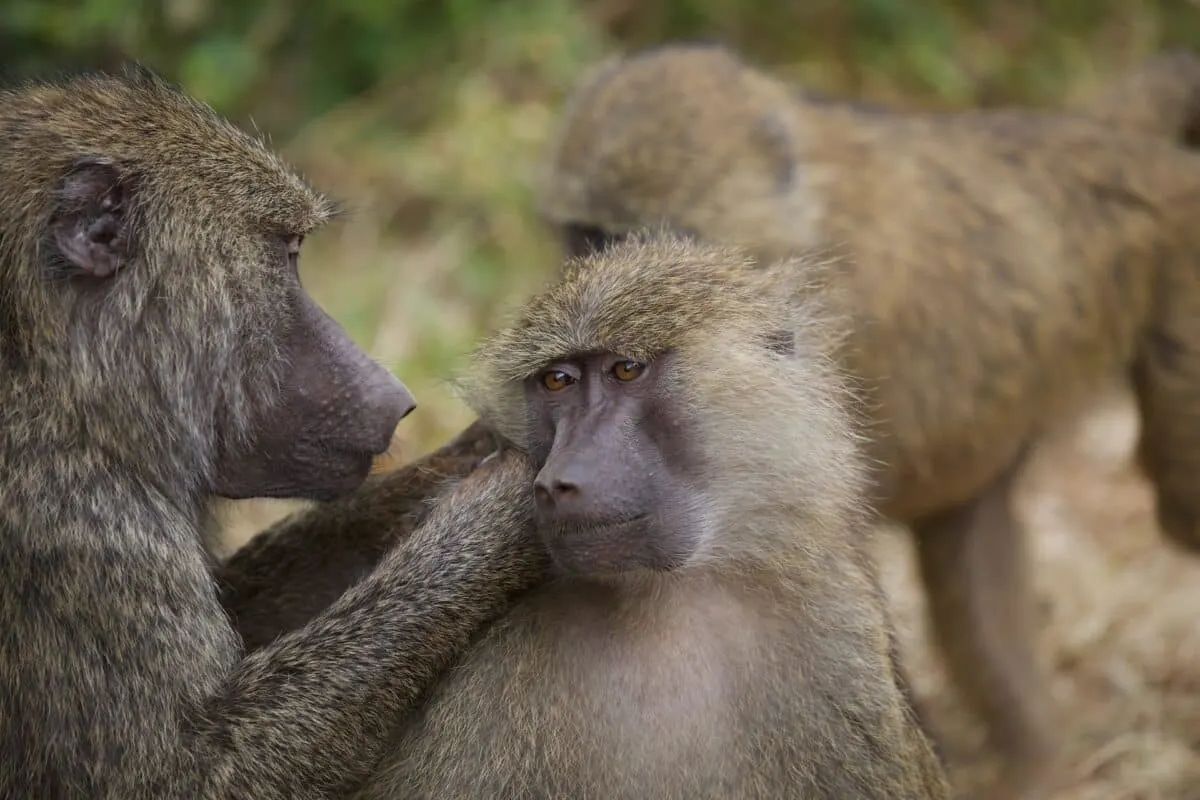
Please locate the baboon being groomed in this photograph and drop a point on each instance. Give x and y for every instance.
(999, 266)
(157, 349)
(713, 627)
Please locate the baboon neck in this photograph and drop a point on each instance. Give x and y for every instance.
(90, 481)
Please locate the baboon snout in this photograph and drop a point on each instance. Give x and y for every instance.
(337, 412)
(568, 485)
(552, 490)
(354, 402)
(386, 401)
(585, 488)
(567, 499)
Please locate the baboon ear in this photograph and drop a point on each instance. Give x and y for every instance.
(782, 342)
(778, 149)
(89, 225)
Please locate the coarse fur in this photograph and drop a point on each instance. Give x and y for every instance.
(158, 349)
(759, 666)
(288, 573)
(999, 267)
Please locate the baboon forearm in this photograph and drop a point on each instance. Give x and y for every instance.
(297, 725)
(287, 574)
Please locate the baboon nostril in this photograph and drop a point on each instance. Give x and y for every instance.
(563, 488)
(554, 490)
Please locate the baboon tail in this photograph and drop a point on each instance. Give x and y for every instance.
(1159, 97)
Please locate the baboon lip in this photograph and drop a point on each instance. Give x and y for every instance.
(566, 530)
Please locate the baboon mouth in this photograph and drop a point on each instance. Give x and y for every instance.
(568, 530)
(623, 522)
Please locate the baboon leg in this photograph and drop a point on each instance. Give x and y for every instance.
(975, 569)
(290, 572)
(1166, 380)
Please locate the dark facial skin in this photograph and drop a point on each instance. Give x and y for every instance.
(581, 240)
(617, 490)
(337, 408)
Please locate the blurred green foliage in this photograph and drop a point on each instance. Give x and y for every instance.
(289, 60)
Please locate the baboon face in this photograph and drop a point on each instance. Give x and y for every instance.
(284, 401)
(617, 489)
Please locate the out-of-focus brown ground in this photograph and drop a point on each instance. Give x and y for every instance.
(1120, 621)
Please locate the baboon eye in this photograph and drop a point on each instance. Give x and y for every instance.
(628, 370)
(556, 380)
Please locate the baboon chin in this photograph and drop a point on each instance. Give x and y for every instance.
(712, 627)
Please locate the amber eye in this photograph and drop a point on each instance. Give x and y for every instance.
(628, 370)
(556, 380)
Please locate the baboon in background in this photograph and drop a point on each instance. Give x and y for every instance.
(1001, 265)
(157, 349)
(714, 627)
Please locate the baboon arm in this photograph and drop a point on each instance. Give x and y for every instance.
(308, 715)
(291, 571)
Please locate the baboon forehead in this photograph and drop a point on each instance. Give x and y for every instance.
(661, 124)
(640, 297)
(178, 148)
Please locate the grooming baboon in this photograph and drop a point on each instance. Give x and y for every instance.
(1001, 265)
(713, 628)
(157, 349)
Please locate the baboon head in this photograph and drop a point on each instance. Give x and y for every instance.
(150, 299)
(669, 390)
(685, 136)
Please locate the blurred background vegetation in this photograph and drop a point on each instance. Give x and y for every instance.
(428, 118)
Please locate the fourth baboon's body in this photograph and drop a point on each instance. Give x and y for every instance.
(1000, 266)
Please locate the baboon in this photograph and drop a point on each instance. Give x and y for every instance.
(158, 349)
(999, 266)
(713, 626)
